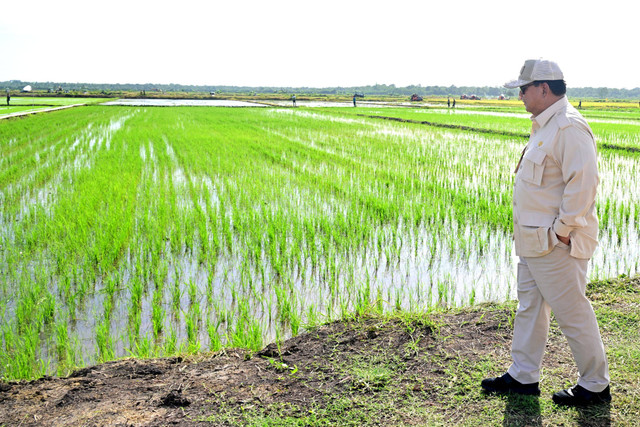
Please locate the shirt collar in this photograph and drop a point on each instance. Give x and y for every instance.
(541, 119)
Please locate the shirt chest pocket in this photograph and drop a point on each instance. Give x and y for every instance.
(533, 166)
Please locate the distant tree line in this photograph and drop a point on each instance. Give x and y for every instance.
(378, 89)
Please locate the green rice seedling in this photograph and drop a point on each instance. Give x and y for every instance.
(312, 318)
(107, 307)
(133, 328)
(379, 303)
(215, 343)
(193, 293)
(157, 315)
(48, 309)
(62, 340)
(171, 342)
(23, 362)
(472, 297)
(144, 348)
(295, 322)
(176, 296)
(104, 342)
(363, 302)
(192, 322)
(247, 332)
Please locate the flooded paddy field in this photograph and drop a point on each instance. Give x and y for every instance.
(139, 231)
(347, 103)
(181, 103)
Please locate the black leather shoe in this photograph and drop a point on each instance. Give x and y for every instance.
(506, 384)
(580, 396)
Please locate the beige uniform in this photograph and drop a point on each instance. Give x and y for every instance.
(554, 193)
(556, 184)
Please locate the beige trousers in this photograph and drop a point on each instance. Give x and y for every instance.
(556, 281)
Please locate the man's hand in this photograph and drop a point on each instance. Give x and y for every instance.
(565, 240)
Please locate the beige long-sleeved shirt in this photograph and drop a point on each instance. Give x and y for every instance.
(555, 185)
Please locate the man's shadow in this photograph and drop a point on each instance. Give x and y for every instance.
(525, 411)
(592, 416)
(522, 410)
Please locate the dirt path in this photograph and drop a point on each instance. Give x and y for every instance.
(44, 110)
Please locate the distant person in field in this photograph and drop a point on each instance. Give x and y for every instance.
(354, 100)
(555, 230)
(454, 103)
(580, 104)
(293, 98)
(8, 97)
(448, 102)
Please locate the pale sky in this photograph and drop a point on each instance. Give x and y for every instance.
(294, 43)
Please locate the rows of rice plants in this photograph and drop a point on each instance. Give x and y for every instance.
(154, 231)
(620, 129)
(515, 122)
(46, 233)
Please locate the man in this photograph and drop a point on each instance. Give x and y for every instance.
(555, 232)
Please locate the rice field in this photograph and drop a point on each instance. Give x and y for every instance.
(141, 231)
(619, 128)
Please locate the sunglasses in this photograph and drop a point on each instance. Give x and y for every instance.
(523, 89)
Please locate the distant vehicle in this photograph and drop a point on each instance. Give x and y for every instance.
(27, 88)
(464, 96)
(502, 97)
(474, 97)
(416, 97)
(359, 95)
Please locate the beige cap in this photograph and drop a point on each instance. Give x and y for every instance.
(536, 70)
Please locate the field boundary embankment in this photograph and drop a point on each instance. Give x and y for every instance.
(44, 110)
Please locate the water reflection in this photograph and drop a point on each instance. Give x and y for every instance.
(183, 103)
